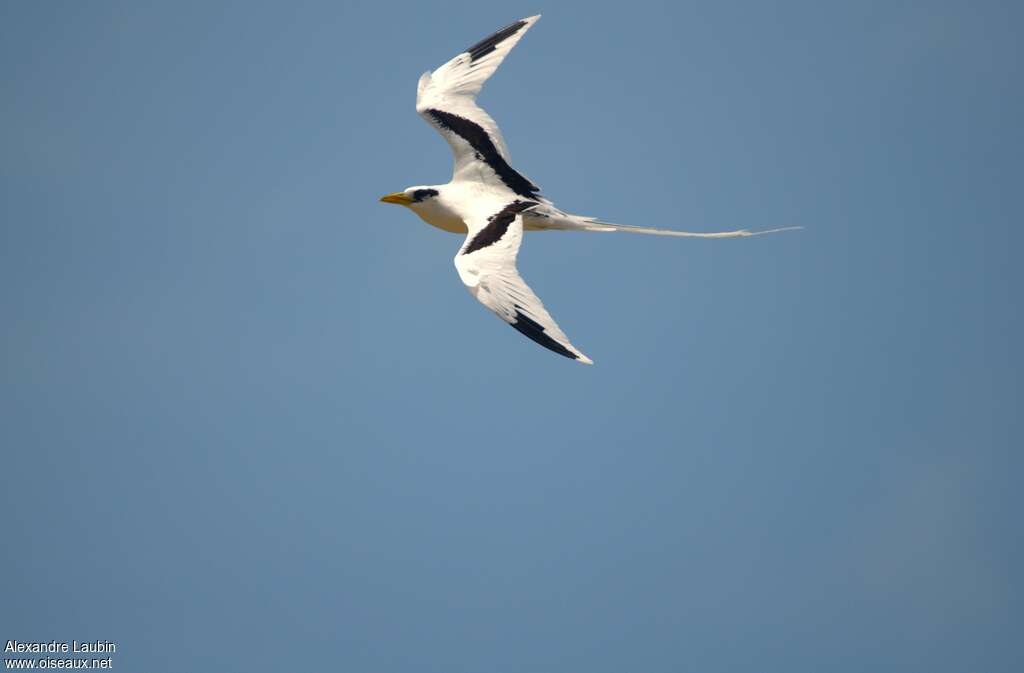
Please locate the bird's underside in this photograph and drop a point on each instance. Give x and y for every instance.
(489, 200)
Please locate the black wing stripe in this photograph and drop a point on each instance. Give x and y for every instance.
(481, 142)
(497, 225)
(532, 329)
(488, 44)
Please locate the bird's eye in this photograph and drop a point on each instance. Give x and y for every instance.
(421, 194)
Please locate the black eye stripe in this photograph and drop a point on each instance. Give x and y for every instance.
(421, 194)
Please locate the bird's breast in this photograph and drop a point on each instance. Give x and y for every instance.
(445, 222)
(452, 224)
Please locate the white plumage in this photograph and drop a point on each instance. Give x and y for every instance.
(489, 200)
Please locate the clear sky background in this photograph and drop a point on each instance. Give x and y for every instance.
(251, 420)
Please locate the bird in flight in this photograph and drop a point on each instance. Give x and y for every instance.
(491, 202)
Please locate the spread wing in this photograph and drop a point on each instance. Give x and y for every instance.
(446, 98)
(487, 265)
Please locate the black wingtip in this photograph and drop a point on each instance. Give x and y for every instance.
(532, 330)
(488, 44)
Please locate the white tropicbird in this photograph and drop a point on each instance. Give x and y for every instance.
(491, 201)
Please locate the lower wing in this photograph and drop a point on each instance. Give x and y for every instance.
(487, 266)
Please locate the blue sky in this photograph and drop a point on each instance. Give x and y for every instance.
(252, 421)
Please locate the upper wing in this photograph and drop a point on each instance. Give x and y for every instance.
(487, 265)
(446, 98)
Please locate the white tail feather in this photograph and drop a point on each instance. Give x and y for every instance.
(609, 226)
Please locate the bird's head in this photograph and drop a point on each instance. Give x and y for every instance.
(411, 196)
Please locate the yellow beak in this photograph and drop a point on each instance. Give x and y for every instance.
(398, 198)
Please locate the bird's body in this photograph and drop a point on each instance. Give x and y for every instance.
(490, 201)
(447, 211)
